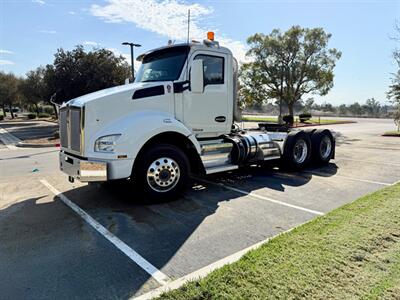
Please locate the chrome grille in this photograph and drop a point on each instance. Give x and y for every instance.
(71, 122)
(63, 127)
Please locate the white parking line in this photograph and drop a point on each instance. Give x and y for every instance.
(8, 139)
(252, 194)
(324, 175)
(203, 272)
(370, 162)
(397, 182)
(132, 254)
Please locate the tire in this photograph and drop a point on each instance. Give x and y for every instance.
(323, 146)
(161, 173)
(293, 156)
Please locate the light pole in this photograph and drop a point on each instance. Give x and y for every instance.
(280, 119)
(132, 45)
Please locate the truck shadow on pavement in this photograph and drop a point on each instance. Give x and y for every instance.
(254, 178)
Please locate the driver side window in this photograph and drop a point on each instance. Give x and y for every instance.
(213, 69)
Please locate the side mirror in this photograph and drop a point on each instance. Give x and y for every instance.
(197, 76)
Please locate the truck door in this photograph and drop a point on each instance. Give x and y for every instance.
(206, 113)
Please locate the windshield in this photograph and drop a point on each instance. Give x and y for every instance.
(162, 65)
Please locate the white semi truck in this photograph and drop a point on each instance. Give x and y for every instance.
(177, 119)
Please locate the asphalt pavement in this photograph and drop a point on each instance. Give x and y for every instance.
(96, 242)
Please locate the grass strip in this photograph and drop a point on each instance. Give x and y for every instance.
(352, 252)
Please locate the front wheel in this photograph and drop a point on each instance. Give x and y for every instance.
(161, 173)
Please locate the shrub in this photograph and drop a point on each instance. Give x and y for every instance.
(304, 117)
(1, 117)
(31, 116)
(43, 115)
(47, 109)
(288, 119)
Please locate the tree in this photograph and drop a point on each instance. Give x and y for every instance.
(289, 65)
(394, 89)
(9, 94)
(342, 109)
(75, 73)
(309, 105)
(34, 87)
(327, 107)
(397, 118)
(355, 109)
(372, 107)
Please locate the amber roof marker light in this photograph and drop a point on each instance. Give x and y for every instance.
(210, 35)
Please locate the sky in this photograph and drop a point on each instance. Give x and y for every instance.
(32, 30)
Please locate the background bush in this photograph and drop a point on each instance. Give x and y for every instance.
(47, 109)
(288, 119)
(304, 117)
(44, 115)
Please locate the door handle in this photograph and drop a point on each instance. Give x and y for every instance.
(220, 119)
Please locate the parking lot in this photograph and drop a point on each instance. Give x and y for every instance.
(96, 242)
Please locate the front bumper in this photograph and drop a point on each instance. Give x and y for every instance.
(84, 170)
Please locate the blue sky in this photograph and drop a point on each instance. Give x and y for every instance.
(31, 31)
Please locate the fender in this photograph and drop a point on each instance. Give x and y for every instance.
(136, 129)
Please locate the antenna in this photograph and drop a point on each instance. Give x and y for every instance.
(188, 33)
(188, 28)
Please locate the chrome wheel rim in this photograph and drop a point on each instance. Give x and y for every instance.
(163, 174)
(300, 151)
(325, 147)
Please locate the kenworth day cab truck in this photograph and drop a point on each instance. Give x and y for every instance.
(176, 119)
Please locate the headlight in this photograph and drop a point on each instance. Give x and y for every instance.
(106, 143)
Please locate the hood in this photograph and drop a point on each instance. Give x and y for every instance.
(82, 100)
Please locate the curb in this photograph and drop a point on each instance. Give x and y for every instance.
(336, 123)
(391, 135)
(30, 145)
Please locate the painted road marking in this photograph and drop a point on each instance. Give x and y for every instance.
(325, 175)
(203, 272)
(132, 254)
(397, 182)
(8, 139)
(254, 195)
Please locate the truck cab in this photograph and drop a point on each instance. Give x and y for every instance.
(176, 119)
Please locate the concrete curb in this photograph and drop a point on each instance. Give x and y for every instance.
(31, 145)
(391, 135)
(335, 123)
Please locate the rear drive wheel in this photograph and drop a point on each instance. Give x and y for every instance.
(323, 146)
(297, 151)
(161, 173)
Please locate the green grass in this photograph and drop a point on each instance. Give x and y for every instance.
(392, 133)
(311, 121)
(352, 252)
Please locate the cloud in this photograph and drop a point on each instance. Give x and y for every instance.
(126, 56)
(72, 12)
(167, 18)
(40, 2)
(91, 43)
(48, 31)
(3, 51)
(6, 62)
(118, 53)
